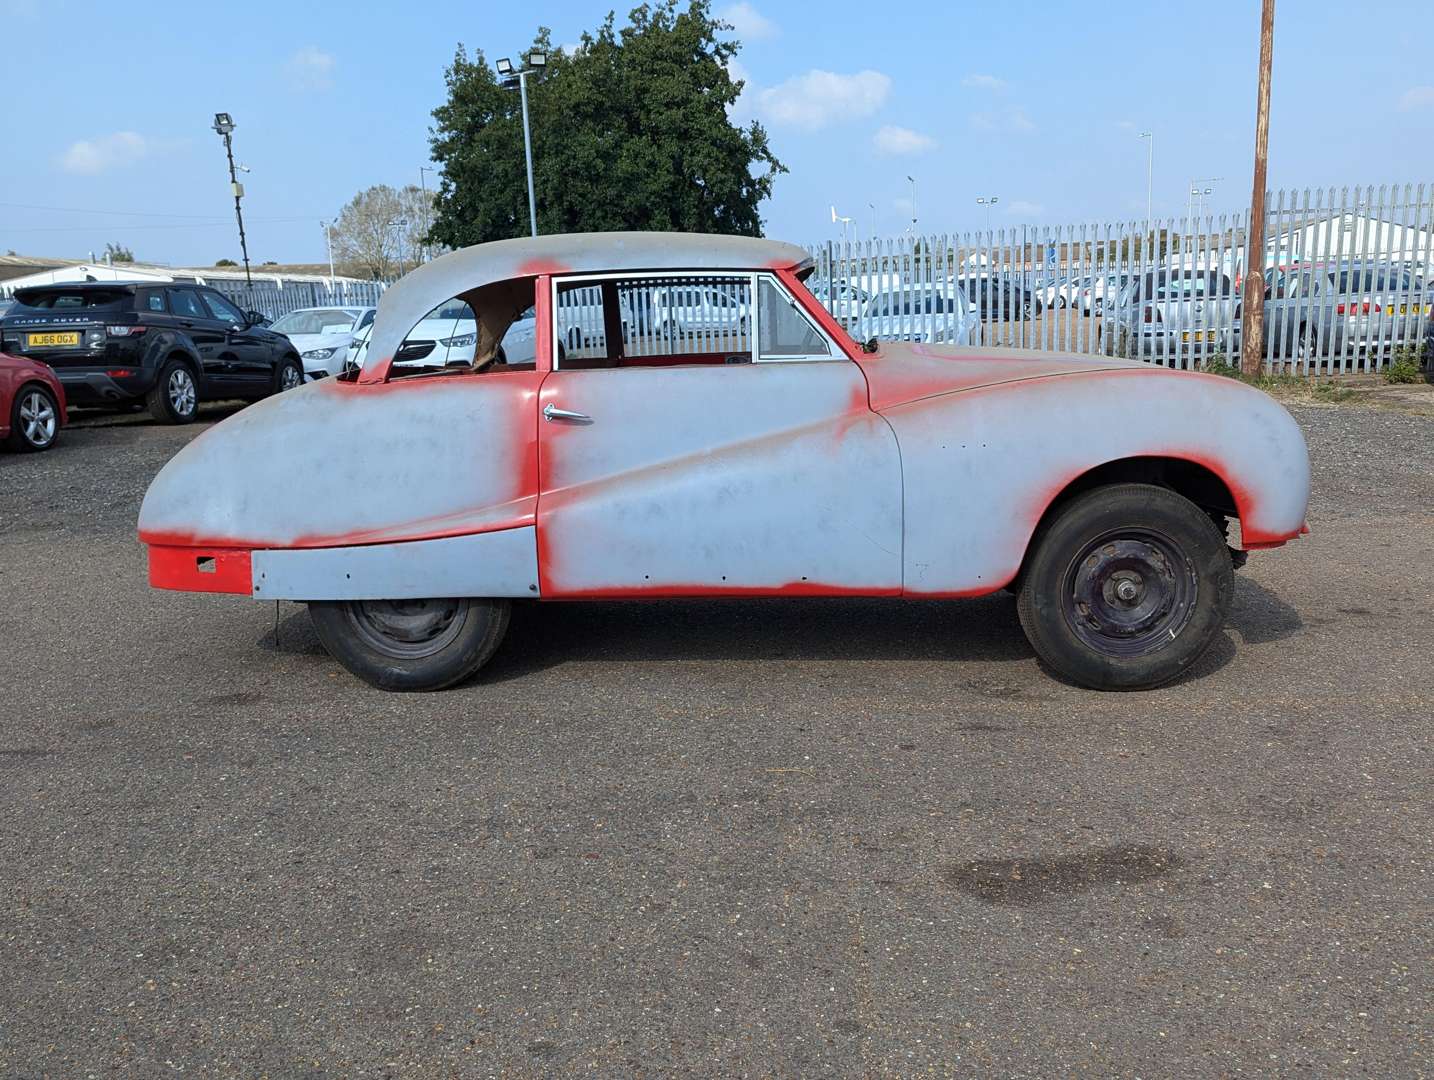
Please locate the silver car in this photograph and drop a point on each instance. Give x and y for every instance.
(1172, 314)
(1316, 313)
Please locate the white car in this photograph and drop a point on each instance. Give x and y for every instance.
(323, 336)
(448, 335)
(931, 313)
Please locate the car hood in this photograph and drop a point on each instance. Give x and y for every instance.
(306, 342)
(900, 372)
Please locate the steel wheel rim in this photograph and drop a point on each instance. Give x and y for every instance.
(407, 629)
(289, 377)
(181, 392)
(1129, 593)
(38, 419)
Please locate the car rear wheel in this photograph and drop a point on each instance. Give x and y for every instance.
(34, 420)
(1126, 588)
(174, 398)
(411, 644)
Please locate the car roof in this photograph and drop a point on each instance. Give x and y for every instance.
(405, 302)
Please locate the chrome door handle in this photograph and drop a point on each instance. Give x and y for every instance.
(552, 412)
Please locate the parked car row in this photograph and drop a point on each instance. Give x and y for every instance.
(169, 347)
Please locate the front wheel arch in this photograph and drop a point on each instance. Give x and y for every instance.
(1196, 482)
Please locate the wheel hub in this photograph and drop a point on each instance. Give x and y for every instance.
(407, 628)
(1130, 593)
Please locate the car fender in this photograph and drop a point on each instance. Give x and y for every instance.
(981, 467)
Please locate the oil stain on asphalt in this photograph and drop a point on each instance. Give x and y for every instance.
(1025, 882)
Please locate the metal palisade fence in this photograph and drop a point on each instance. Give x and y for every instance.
(277, 298)
(1347, 274)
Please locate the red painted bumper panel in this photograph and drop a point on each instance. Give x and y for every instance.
(199, 569)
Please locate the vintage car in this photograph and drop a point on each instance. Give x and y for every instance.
(772, 457)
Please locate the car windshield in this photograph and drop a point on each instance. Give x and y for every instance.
(451, 309)
(317, 321)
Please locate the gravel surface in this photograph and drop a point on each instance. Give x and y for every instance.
(768, 838)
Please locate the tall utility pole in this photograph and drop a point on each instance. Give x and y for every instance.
(913, 204)
(1253, 328)
(224, 125)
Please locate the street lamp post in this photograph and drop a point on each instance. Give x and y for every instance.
(400, 224)
(988, 201)
(913, 204)
(1149, 175)
(427, 222)
(224, 125)
(872, 207)
(534, 61)
(328, 227)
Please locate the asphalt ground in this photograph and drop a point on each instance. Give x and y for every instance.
(763, 838)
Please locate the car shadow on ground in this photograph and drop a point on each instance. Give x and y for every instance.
(210, 412)
(545, 635)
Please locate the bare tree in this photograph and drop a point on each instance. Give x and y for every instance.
(381, 230)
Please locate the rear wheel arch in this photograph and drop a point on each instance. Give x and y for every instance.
(1197, 482)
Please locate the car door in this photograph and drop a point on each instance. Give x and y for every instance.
(207, 333)
(251, 358)
(709, 477)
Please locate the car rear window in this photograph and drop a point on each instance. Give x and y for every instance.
(57, 299)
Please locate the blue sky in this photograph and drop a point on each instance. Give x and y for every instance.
(1039, 103)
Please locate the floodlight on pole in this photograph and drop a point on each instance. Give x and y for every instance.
(534, 61)
(224, 127)
(988, 201)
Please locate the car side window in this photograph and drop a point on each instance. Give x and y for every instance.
(152, 301)
(223, 310)
(367, 319)
(784, 330)
(185, 303)
(653, 321)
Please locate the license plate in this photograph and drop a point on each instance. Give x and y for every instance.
(70, 338)
(1209, 335)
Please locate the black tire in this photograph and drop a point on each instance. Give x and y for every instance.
(411, 645)
(289, 375)
(34, 420)
(168, 401)
(1127, 587)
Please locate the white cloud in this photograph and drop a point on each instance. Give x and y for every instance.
(749, 23)
(1417, 97)
(1022, 208)
(899, 140)
(1011, 118)
(311, 69)
(91, 156)
(984, 82)
(819, 98)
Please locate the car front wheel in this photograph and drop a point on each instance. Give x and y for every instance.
(1126, 588)
(290, 375)
(411, 644)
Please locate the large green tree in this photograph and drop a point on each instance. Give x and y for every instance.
(630, 131)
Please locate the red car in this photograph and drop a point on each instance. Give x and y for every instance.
(32, 404)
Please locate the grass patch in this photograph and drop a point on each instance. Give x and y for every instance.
(1404, 365)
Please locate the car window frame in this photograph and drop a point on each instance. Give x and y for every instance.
(170, 290)
(835, 352)
(205, 294)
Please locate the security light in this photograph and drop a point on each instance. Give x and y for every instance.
(537, 60)
(505, 67)
(223, 123)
